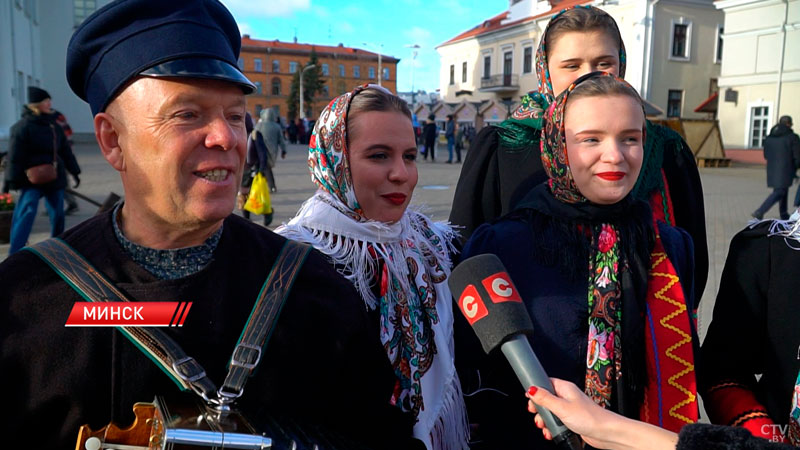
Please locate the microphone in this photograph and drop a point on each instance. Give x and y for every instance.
(493, 307)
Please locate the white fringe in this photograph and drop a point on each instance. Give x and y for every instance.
(788, 229)
(451, 429)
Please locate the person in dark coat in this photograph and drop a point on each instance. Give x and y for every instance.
(429, 134)
(590, 263)
(504, 164)
(782, 152)
(174, 239)
(37, 139)
(750, 372)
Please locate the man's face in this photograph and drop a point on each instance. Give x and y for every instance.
(183, 144)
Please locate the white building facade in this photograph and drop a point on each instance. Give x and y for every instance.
(33, 46)
(760, 79)
(671, 53)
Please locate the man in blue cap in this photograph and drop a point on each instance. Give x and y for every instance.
(168, 101)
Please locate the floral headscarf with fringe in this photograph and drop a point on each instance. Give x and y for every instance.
(399, 269)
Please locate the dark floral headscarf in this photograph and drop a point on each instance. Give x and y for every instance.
(554, 145)
(543, 72)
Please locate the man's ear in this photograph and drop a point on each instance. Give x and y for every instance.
(107, 134)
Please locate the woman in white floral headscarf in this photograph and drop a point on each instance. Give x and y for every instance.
(362, 157)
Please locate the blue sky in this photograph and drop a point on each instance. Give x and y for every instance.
(395, 24)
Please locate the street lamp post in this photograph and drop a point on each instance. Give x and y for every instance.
(380, 71)
(415, 51)
(302, 110)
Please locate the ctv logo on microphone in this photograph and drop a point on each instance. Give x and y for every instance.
(500, 290)
(471, 305)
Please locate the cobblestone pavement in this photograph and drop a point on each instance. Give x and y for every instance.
(731, 194)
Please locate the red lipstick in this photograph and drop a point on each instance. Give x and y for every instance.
(611, 176)
(396, 198)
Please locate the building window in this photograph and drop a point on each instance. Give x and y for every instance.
(241, 63)
(340, 88)
(258, 87)
(527, 60)
(259, 108)
(356, 72)
(464, 72)
(371, 72)
(325, 91)
(325, 70)
(452, 74)
(487, 67)
(81, 10)
(341, 70)
(759, 124)
(674, 103)
(385, 73)
(292, 67)
(276, 86)
(681, 40)
(257, 65)
(276, 66)
(718, 53)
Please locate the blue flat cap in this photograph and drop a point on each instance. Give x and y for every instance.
(156, 38)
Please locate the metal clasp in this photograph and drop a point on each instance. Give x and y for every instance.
(235, 361)
(193, 375)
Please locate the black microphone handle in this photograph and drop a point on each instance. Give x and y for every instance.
(526, 365)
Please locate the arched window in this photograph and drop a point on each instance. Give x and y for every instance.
(276, 86)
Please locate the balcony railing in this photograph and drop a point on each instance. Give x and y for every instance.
(501, 82)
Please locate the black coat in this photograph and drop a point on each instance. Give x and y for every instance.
(34, 140)
(323, 366)
(782, 152)
(755, 326)
(494, 179)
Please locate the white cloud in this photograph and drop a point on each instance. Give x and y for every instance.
(418, 35)
(345, 27)
(249, 9)
(245, 28)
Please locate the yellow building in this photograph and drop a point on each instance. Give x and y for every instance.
(271, 65)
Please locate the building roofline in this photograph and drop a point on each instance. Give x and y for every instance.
(277, 46)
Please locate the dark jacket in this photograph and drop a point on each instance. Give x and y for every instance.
(429, 133)
(34, 139)
(558, 309)
(754, 337)
(782, 152)
(494, 179)
(323, 366)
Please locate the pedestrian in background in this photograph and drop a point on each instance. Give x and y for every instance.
(272, 134)
(301, 131)
(429, 133)
(37, 140)
(450, 135)
(782, 152)
(292, 131)
(459, 141)
(61, 120)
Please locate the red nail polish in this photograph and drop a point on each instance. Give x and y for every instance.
(532, 390)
